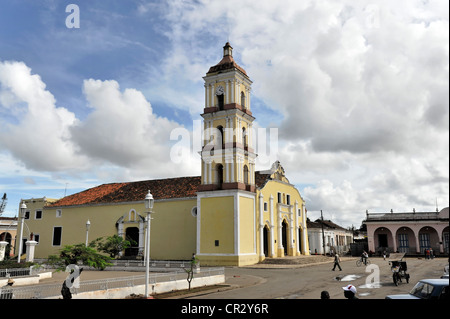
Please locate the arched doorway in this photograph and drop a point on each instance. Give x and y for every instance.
(300, 240)
(132, 234)
(428, 238)
(266, 241)
(406, 240)
(284, 236)
(383, 240)
(445, 240)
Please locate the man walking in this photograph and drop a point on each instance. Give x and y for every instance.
(337, 260)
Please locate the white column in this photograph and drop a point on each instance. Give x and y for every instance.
(206, 95)
(227, 96)
(261, 225)
(209, 173)
(232, 170)
(213, 100)
(3, 249)
(205, 173)
(291, 227)
(31, 244)
(272, 246)
(233, 89)
(280, 228)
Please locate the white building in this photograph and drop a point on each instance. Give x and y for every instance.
(337, 238)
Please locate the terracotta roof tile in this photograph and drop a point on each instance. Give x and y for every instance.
(168, 188)
(226, 63)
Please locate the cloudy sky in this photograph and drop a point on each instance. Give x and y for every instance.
(356, 90)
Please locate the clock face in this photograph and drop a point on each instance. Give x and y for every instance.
(220, 90)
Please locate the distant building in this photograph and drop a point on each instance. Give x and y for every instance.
(408, 232)
(337, 238)
(8, 230)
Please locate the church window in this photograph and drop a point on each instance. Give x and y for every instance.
(244, 137)
(219, 175)
(57, 232)
(288, 199)
(220, 138)
(245, 174)
(265, 206)
(38, 214)
(194, 211)
(243, 100)
(279, 197)
(220, 101)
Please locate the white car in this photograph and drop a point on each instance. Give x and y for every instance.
(426, 289)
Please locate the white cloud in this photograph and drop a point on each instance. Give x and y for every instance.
(40, 137)
(362, 87)
(121, 135)
(123, 130)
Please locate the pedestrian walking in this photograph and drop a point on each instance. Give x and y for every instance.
(384, 254)
(337, 260)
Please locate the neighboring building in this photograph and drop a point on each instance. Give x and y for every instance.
(230, 215)
(8, 230)
(410, 232)
(337, 238)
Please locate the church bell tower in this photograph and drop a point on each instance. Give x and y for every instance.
(226, 198)
(228, 158)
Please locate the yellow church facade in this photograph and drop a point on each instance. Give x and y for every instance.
(229, 215)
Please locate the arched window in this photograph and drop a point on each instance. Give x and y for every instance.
(220, 139)
(244, 137)
(245, 175)
(220, 101)
(219, 175)
(243, 99)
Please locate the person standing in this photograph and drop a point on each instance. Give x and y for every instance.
(337, 260)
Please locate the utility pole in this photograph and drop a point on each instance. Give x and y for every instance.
(323, 235)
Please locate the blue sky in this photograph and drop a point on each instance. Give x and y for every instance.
(357, 90)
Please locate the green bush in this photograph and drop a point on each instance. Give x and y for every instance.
(12, 263)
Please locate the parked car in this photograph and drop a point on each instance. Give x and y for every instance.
(426, 289)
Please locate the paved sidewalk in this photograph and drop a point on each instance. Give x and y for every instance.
(231, 281)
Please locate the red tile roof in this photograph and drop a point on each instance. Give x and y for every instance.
(169, 188)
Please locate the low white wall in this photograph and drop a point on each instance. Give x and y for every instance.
(26, 280)
(120, 293)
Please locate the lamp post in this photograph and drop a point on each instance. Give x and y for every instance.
(23, 207)
(88, 225)
(149, 201)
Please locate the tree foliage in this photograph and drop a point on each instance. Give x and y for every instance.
(79, 253)
(112, 245)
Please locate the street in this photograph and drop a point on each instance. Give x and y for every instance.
(308, 282)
